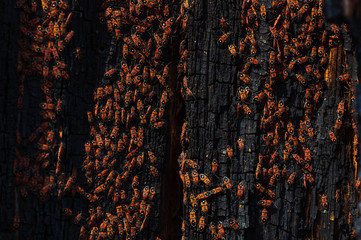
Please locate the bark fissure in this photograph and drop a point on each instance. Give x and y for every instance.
(171, 203)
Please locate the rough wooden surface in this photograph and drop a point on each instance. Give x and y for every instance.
(141, 78)
(8, 112)
(45, 219)
(212, 125)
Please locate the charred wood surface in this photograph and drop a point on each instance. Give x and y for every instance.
(201, 125)
(296, 212)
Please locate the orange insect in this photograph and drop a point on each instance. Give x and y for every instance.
(223, 23)
(83, 233)
(298, 159)
(195, 177)
(16, 221)
(338, 124)
(332, 136)
(265, 203)
(204, 179)
(229, 152)
(47, 106)
(109, 73)
(77, 218)
(263, 12)
(192, 163)
(204, 206)
(307, 155)
(301, 79)
(192, 217)
(307, 177)
(242, 46)
(221, 231)
(273, 157)
(264, 216)
(284, 172)
(272, 180)
(213, 230)
(344, 77)
(223, 39)
(232, 50)
(243, 93)
(246, 109)
(341, 109)
(154, 116)
(338, 195)
(203, 195)
(214, 166)
(193, 201)
(158, 125)
(253, 60)
(260, 188)
(317, 96)
(164, 98)
(78, 54)
(270, 193)
(187, 181)
(215, 190)
(233, 224)
(54, 51)
(240, 190)
(201, 223)
(68, 212)
(227, 183)
(291, 178)
(258, 170)
(152, 157)
(259, 97)
(324, 203)
(69, 36)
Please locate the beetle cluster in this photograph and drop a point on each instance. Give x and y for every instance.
(198, 202)
(198, 214)
(121, 164)
(300, 43)
(44, 35)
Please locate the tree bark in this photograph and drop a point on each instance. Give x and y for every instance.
(45, 220)
(213, 125)
(201, 121)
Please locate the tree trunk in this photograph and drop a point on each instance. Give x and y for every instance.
(38, 219)
(213, 76)
(204, 117)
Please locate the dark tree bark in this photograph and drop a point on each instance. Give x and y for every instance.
(45, 220)
(207, 109)
(8, 21)
(213, 125)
